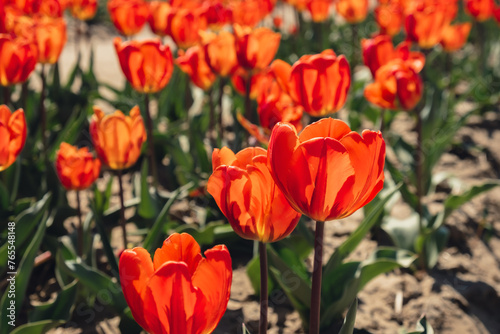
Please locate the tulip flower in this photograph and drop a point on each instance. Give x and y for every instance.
(379, 51)
(245, 191)
(319, 9)
(353, 11)
(184, 26)
(128, 16)
(426, 23)
(247, 195)
(397, 86)
(217, 15)
(389, 16)
(194, 64)
(220, 52)
(481, 10)
(240, 81)
(83, 10)
(158, 20)
(50, 38)
(319, 83)
(117, 138)
(77, 169)
(249, 13)
(255, 49)
(179, 291)
(455, 36)
(328, 172)
(19, 58)
(12, 135)
(147, 65)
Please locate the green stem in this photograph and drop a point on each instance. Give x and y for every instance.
(122, 209)
(314, 317)
(222, 84)
(43, 113)
(80, 224)
(151, 145)
(264, 303)
(6, 95)
(419, 161)
(382, 120)
(211, 120)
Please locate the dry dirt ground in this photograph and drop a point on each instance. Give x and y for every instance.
(460, 295)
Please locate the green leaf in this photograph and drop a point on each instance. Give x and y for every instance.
(244, 329)
(107, 291)
(147, 207)
(403, 232)
(423, 327)
(22, 280)
(350, 319)
(152, 239)
(253, 272)
(59, 309)
(128, 325)
(39, 327)
(455, 201)
(70, 132)
(26, 222)
(355, 238)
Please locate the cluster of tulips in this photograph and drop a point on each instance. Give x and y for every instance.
(324, 170)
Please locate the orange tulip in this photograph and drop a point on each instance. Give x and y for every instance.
(50, 37)
(389, 16)
(178, 291)
(51, 8)
(217, 14)
(12, 135)
(328, 172)
(300, 5)
(255, 49)
(184, 26)
(455, 36)
(220, 52)
(18, 58)
(426, 23)
(397, 85)
(245, 191)
(147, 65)
(319, 9)
(249, 13)
(158, 20)
(83, 9)
(128, 16)
(379, 51)
(353, 11)
(319, 83)
(117, 138)
(194, 64)
(77, 169)
(481, 10)
(240, 78)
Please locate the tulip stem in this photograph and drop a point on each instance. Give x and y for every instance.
(122, 209)
(382, 120)
(211, 116)
(314, 317)
(222, 83)
(80, 224)
(43, 115)
(419, 160)
(264, 303)
(151, 145)
(6, 95)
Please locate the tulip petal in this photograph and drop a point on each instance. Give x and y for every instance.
(178, 248)
(135, 269)
(213, 277)
(326, 127)
(171, 303)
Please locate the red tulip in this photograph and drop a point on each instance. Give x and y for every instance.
(249, 13)
(12, 135)
(379, 51)
(50, 38)
(389, 16)
(245, 191)
(184, 26)
(481, 10)
(77, 169)
(319, 83)
(178, 291)
(18, 59)
(220, 52)
(319, 9)
(397, 86)
(128, 16)
(328, 172)
(158, 20)
(147, 65)
(193, 63)
(256, 48)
